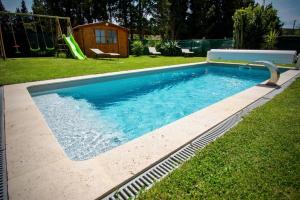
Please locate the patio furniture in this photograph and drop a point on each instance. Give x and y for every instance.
(186, 52)
(153, 51)
(98, 52)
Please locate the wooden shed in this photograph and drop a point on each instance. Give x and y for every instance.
(108, 37)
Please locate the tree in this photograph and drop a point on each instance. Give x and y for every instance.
(111, 9)
(39, 7)
(17, 21)
(199, 18)
(213, 18)
(162, 18)
(132, 19)
(123, 12)
(178, 18)
(99, 10)
(80, 11)
(2, 8)
(4, 19)
(229, 7)
(126, 15)
(144, 10)
(23, 7)
(172, 19)
(251, 24)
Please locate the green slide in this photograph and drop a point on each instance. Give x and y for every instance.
(74, 48)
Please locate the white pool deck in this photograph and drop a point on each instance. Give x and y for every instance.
(39, 169)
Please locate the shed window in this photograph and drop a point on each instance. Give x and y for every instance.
(100, 36)
(112, 37)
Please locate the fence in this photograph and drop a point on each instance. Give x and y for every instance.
(198, 46)
(288, 43)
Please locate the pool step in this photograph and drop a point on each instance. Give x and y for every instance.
(145, 179)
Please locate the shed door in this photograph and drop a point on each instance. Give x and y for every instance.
(107, 40)
(112, 41)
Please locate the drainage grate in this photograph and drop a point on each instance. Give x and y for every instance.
(2, 139)
(3, 173)
(157, 171)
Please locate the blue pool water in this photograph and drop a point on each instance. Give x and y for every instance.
(92, 118)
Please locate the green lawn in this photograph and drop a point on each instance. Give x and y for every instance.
(21, 70)
(258, 159)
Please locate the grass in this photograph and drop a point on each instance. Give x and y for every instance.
(20, 70)
(258, 159)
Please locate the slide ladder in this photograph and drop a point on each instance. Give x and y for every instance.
(74, 47)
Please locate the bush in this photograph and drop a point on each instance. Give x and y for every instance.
(137, 48)
(152, 43)
(271, 40)
(169, 48)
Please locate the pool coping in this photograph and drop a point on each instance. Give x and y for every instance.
(39, 169)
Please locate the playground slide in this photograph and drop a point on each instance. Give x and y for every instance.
(74, 48)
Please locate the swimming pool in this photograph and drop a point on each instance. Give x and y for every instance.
(96, 116)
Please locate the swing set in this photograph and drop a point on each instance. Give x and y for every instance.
(35, 22)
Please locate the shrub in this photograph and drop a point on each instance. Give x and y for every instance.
(169, 48)
(271, 40)
(158, 45)
(153, 43)
(137, 48)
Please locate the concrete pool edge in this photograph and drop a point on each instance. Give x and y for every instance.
(32, 173)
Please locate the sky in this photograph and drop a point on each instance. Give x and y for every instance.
(288, 10)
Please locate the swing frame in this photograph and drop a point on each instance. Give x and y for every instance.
(2, 50)
(52, 36)
(56, 19)
(27, 37)
(16, 46)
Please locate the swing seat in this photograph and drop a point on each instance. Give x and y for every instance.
(35, 50)
(17, 48)
(50, 49)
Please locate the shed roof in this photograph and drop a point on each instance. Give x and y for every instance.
(99, 23)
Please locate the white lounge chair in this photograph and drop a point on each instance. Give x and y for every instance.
(98, 52)
(153, 51)
(186, 52)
